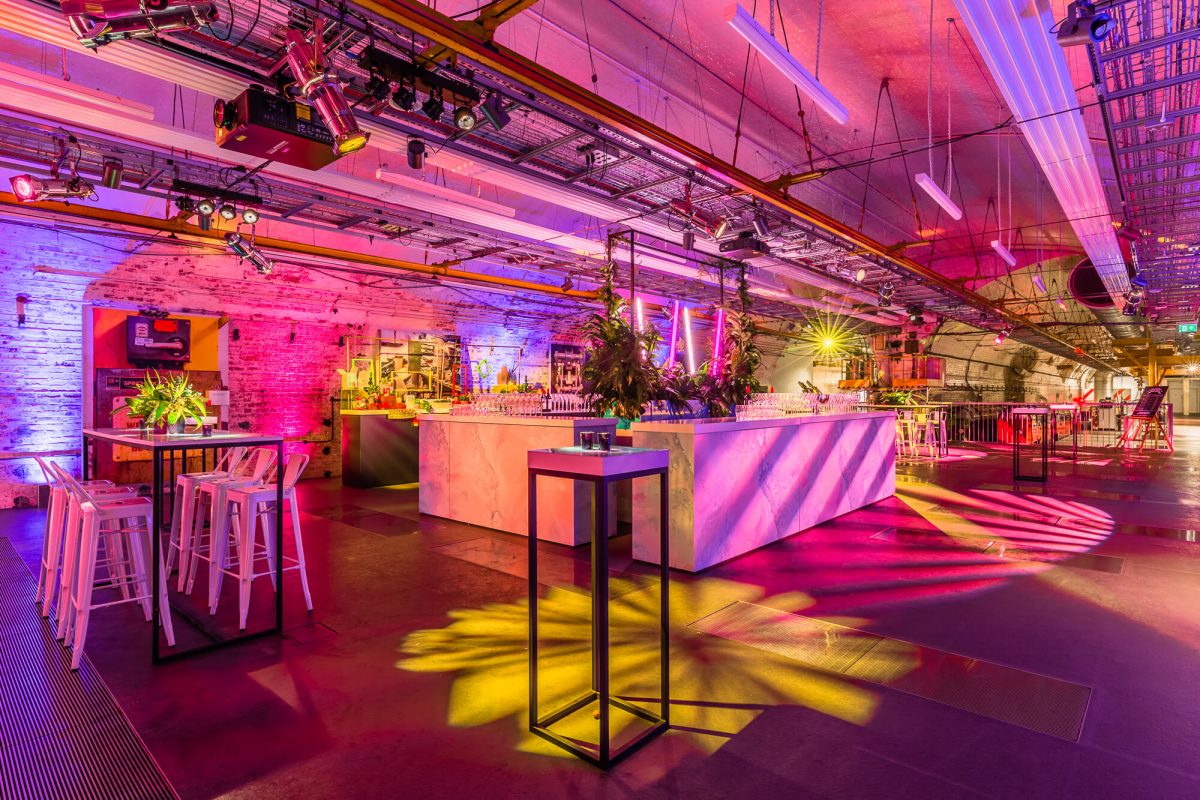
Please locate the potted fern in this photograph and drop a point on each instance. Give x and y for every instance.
(166, 403)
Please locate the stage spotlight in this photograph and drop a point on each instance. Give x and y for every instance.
(761, 226)
(915, 316)
(1138, 281)
(416, 153)
(493, 111)
(320, 88)
(29, 189)
(248, 252)
(227, 211)
(1004, 333)
(249, 216)
(464, 118)
(186, 205)
(568, 284)
(206, 207)
(886, 291)
(860, 274)
(720, 228)
(433, 107)
(1133, 302)
(404, 98)
(1083, 25)
(113, 174)
(689, 239)
(98, 22)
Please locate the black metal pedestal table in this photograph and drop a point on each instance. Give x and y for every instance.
(601, 468)
(1071, 411)
(1023, 419)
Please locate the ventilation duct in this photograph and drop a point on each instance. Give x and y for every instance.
(1087, 288)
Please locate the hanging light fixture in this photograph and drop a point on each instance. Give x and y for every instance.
(494, 112)
(886, 290)
(1004, 333)
(465, 119)
(227, 211)
(249, 216)
(99, 22)
(29, 189)
(925, 179)
(433, 107)
(320, 88)
(246, 251)
(404, 97)
(770, 48)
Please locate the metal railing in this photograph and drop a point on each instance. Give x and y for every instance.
(1100, 424)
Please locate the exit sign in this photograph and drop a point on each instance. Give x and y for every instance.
(1187, 327)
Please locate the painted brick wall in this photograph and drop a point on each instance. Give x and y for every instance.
(284, 379)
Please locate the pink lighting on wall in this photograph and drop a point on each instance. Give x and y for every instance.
(687, 334)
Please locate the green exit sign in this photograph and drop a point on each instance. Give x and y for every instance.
(1187, 327)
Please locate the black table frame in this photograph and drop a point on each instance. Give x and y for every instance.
(1076, 422)
(184, 444)
(599, 692)
(1046, 417)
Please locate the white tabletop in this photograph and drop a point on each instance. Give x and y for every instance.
(134, 437)
(599, 463)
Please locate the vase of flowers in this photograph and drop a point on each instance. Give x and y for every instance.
(166, 403)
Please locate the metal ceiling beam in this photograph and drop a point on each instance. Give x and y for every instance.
(521, 158)
(217, 237)
(1153, 86)
(422, 20)
(1155, 118)
(1155, 145)
(1149, 44)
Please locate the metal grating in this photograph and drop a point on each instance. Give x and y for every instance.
(62, 734)
(1036, 702)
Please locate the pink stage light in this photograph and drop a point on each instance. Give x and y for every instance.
(24, 187)
(718, 335)
(319, 87)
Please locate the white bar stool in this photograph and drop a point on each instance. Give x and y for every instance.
(184, 509)
(122, 526)
(56, 526)
(251, 509)
(211, 506)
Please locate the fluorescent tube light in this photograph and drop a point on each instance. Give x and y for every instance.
(770, 48)
(687, 337)
(718, 336)
(674, 333)
(1004, 253)
(1039, 283)
(941, 198)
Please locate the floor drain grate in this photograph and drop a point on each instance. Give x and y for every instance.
(62, 733)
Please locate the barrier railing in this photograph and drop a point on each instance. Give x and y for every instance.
(1100, 424)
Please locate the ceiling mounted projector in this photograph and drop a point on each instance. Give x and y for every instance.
(1084, 25)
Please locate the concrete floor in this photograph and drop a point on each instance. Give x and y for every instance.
(409, 679)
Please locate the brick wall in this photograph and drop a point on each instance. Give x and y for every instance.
(282, 365)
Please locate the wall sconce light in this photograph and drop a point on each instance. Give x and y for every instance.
(22, 301)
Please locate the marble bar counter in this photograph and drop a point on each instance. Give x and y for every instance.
(474, 469)
(738, 485)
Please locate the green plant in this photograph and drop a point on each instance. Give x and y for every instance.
(676, 388)
(725, 384)
(619, 376)
(896, 397)
(166, 400)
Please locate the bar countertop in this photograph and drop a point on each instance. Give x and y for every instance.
(729, 424)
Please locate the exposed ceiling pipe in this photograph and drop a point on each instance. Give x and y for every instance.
(182, 228)
(425, 21)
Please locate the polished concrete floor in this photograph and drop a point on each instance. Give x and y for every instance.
(963, 639)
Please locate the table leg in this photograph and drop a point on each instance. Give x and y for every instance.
(155, 547)
(533, 632)
(83, 452)
(664, 558)
(279, 471)
(600, 609)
